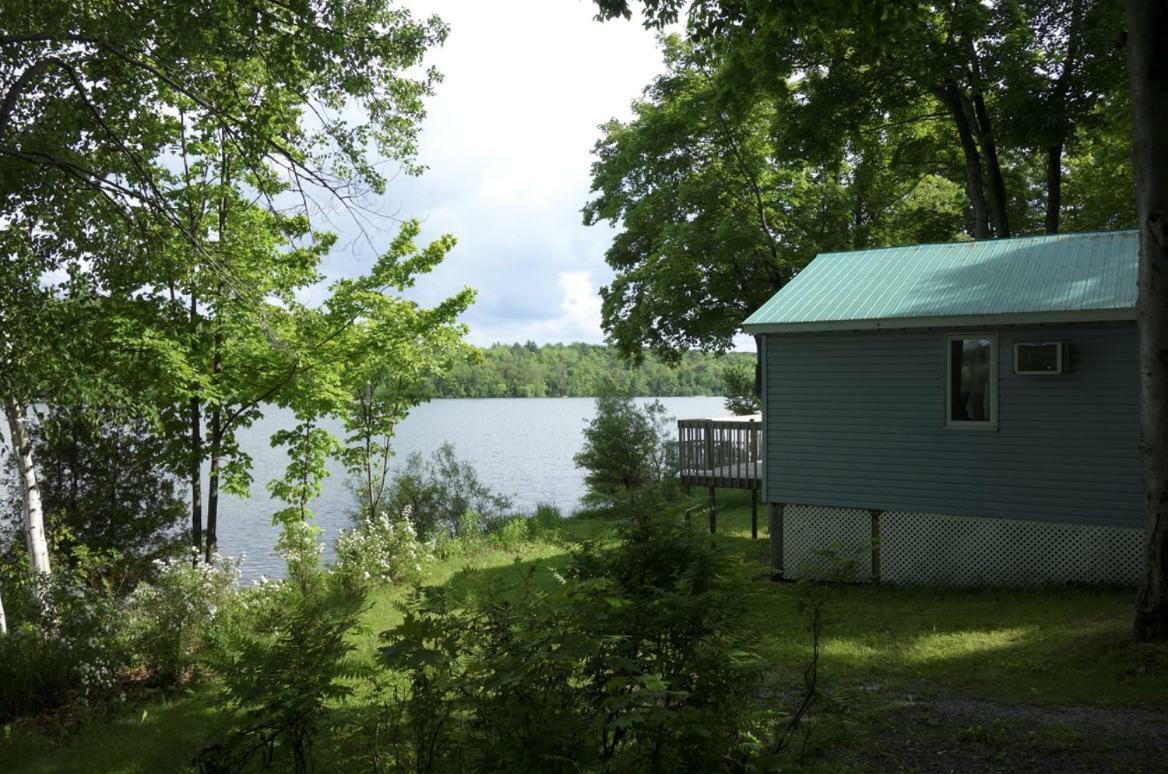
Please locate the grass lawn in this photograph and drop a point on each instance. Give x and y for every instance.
(914, 679)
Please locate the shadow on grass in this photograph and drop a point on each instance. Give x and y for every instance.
(154, 736)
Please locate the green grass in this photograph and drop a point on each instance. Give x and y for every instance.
(883, 649)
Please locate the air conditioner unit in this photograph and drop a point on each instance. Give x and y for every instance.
(1042, 358)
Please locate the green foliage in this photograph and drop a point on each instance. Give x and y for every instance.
(391, 354)
(171, 617)
(171, 163)
(546, 521)
(778, 132)
(69, 647)
(628, 663)
(278, 671)
(104, 491)
(510, 533)
(716, 212)
(626, 454)
(443, 495)
(36, 674)
(579, 370)
(741, 399)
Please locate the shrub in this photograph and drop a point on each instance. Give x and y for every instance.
(547, 520)
(36, 673)
(68, 643)
(469, 526)
(628, 663)
(511, 533)
(171, 617)
(278, 669)
(439, 491)
(626, 454)
(383, 549)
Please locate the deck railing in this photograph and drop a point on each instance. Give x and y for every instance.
(720, 452)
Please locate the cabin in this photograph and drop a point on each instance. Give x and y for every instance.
(956, 414)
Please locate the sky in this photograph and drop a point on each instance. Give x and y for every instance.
(507, 142)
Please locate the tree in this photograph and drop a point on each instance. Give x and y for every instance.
(741, 399)
(625, 453)
(717, 212)
(105, 490)
(1147, 25)
(271, 98)
(1006, 76)
(391, 354)
(361, 358)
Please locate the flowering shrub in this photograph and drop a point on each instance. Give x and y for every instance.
(384, 548)
(171, 617)
(68, 643)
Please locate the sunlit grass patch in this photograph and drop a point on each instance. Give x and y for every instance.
(939, 646)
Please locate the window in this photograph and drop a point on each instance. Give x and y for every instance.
(971, 381)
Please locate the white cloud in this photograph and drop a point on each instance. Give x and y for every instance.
(577, 317)
(580, 305)
(507, 143)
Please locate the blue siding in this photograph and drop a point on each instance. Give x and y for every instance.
(857, 420)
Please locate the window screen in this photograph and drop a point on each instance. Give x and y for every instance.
(971, 366)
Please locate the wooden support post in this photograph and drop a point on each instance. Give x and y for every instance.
(754, 514)
(875, 545)
(713, 511)
(775, 527)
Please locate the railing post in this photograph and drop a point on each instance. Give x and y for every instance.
(709, 430)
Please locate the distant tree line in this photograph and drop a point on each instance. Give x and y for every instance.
(581, 370)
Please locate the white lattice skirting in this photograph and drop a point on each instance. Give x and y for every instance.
(935, 549)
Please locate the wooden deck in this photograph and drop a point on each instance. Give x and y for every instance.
(741, 475)
(720, 452)
(724, 452)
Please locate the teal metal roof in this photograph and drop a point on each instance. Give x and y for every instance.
(1055, 278)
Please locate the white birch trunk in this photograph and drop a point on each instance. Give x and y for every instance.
(3, 619)
(34, 517)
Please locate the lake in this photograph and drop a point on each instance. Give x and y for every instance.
(521, 447)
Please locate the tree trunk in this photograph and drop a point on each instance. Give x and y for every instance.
(34, 517)
(196, 477)
(974, 185)
(1147, 57)
(196, 458)
(1054, 187)
(212, 539)
(989, 149)
(1058, 110)
(3, 618)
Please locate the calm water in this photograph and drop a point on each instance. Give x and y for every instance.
(521, 447)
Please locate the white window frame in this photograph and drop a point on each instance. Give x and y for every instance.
(959, 424)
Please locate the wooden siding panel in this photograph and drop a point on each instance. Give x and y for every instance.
(856, 420)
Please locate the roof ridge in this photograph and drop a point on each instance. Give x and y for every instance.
(967, 242)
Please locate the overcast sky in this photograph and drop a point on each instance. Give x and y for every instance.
(508, 142)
